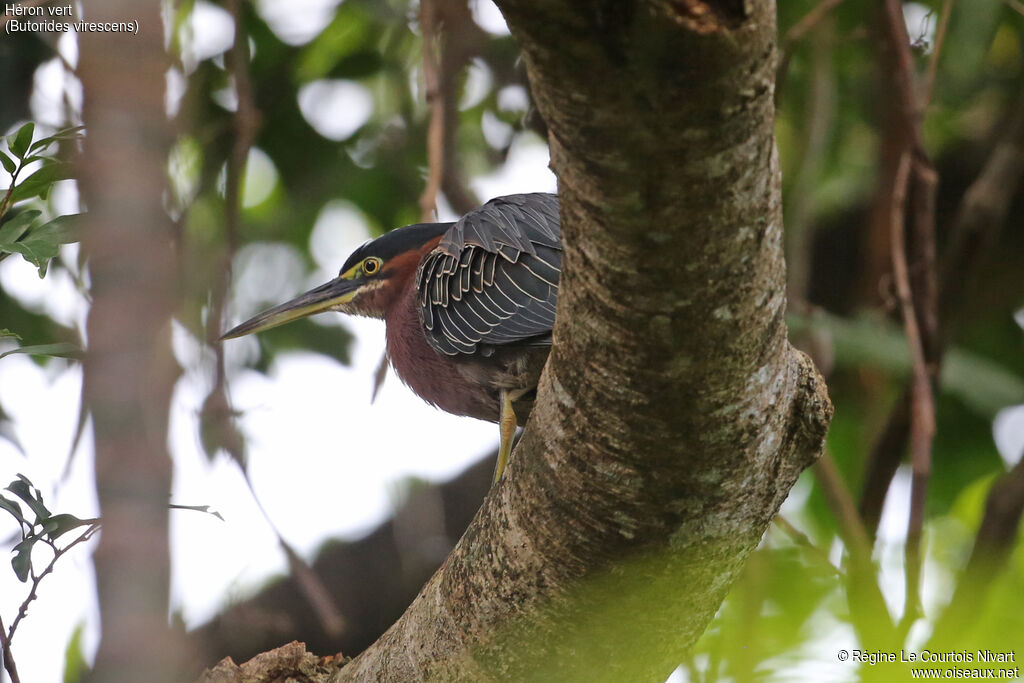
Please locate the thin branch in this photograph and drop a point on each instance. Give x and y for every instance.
(795, 34)
(429, 23)
(439, 75)
(246, 121)
(307, 580)
(868, 610)
(922, 415)
(246, 124)
(921, 184)
(978, 221)
(5, 651)
(37, 579)
(809, 22)
(315, 592)
(933, 63)
(923, 268)
(6, 201)
(804, 541)
(217, 410)
(840, 502)
(896, 42)
(464, 39)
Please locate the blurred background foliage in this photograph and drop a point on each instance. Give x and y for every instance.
(339, 119)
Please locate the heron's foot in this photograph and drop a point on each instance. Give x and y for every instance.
(507, 424)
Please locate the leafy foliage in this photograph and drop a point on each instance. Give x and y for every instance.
(41, 526)
(38, 241)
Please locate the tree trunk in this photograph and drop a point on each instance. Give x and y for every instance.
(673, 416)
(129, 371)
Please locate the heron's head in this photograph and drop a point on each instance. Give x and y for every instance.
(369, 283)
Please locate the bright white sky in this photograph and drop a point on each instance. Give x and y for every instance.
(318, 449)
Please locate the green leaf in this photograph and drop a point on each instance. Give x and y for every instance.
(75, 666)
(22, 487)
(38, 146)
(8, 163)
(58, 525)
(22, 560)
(6, 333)
(69, 133)
(22, 139)
(12, 230)
(41, 182)
(12, 507)
(66, 134)
(43, 243)
(57, 349)
(969, 505)
(41, 260)
(62, 229)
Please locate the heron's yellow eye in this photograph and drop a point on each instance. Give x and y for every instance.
(371, 265)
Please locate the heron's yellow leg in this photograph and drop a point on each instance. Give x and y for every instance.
(507, 424)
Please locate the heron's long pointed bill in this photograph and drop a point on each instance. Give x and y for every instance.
(324, 297)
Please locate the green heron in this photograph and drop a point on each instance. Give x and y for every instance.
(468, 306)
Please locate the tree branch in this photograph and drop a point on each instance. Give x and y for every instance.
(5, 652)
(933, 63)
(94, 526)
(795, 34)
(922, 423)
(979, 219)
(430, 21)
(803, 541)
(464, 40)
(904, 142)
(868, 611)
(450, 40)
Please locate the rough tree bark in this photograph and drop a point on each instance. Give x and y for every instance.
(673, 416)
